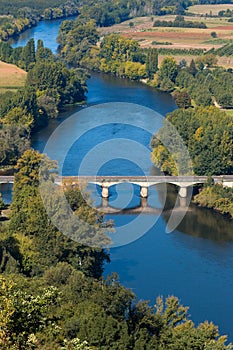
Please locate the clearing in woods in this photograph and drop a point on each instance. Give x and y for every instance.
(11, 77)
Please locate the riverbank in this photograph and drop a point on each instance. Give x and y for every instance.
(218, 198)
(13, 28)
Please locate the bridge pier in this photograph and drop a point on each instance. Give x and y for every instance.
(183, 191)
(104, 202)
(143, 202)
(144, 192)
(105, 192)
(183, 202)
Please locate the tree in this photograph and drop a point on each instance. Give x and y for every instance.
(207, 60)
(168, 69)
(152, 63)
(166, 84)
(29, 57)
(192, 68)
(23, 315)
(43, 53)
(182, 99)
(183, 64)
(14, 140)
(76, 38)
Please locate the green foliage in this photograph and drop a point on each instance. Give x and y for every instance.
(168, 69)
(216, 197)
(167, 74)
(225, 50)
(182, 99)
(151, 63)
(121, 57)
(55, 85)
(113, 47)
(207, 60)
(76, 38)
(40, 243)
(192, 68)
(23, 314)
(206, 85)
(222, 89)
(207, 133)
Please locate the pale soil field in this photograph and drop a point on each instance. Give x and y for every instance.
(203, 9)
(11, 77)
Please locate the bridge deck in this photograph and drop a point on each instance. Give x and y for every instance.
(159, 178)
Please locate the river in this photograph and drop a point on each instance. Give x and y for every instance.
(194, 262)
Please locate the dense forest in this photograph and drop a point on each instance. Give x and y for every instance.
(207, 132)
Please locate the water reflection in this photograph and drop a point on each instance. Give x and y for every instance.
(201, 222)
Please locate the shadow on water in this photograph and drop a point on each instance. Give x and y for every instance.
(200, 222)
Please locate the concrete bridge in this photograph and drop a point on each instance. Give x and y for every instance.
(144, 182)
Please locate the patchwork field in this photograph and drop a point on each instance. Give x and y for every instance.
(11, 77)
(142, 30)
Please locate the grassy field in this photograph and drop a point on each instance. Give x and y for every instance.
(11, 77)
(208, 9)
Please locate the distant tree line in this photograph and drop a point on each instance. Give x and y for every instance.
(178, 52)
(179, 22)
(225, 13)
(25, 14)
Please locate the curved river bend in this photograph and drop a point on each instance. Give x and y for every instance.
(195, 262)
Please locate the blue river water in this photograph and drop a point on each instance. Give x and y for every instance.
(194, 262)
